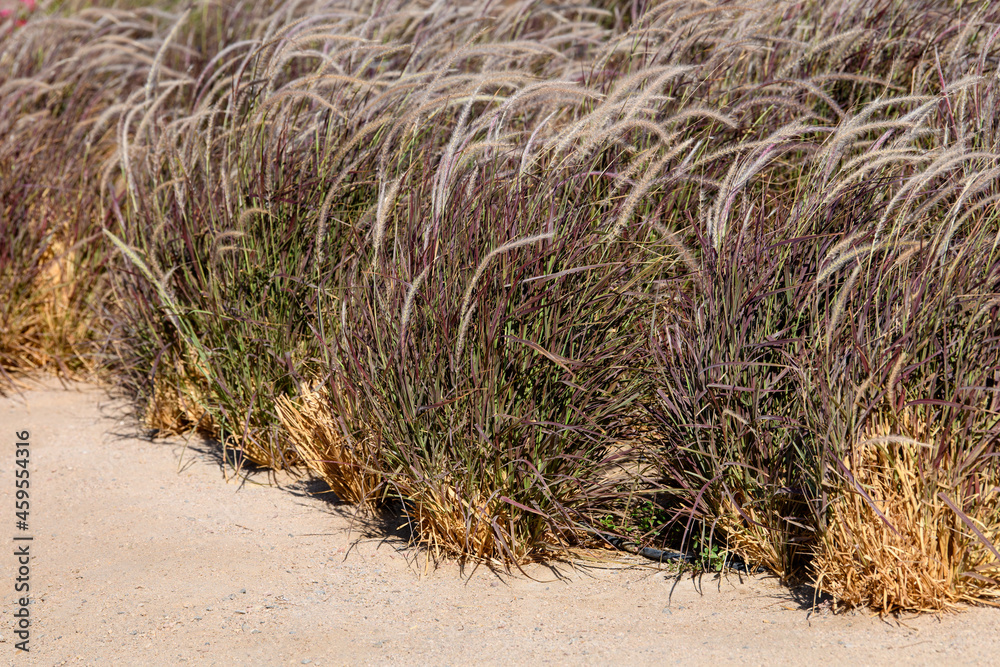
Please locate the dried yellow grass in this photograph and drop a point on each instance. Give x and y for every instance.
(54, 282)
(47, 328)
(480, 528)
(754, 541)
(449, 525)
(178, 408)
(444, 521)
(347, 465)
(930, 559)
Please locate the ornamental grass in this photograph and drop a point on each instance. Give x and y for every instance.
(710, 277)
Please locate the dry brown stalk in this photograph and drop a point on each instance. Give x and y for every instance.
(347, 465)
(923, 557)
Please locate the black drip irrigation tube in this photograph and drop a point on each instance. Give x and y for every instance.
(733, 563)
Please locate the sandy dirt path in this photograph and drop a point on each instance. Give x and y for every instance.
(143, 553)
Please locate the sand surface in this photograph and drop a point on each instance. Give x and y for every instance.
(144, 553)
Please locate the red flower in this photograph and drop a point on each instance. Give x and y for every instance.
(20, 20)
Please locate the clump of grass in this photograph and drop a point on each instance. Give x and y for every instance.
(734, 449)
(319, 268)
(495, 429)
(64, 82)
(913, 446)
(814, 282)
(216, 327)
(919, 536)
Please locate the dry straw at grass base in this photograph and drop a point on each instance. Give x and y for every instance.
(446, 523)
(923, 556)
(347, 466)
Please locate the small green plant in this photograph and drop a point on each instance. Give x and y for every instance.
(711, 558)
(642, 518)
